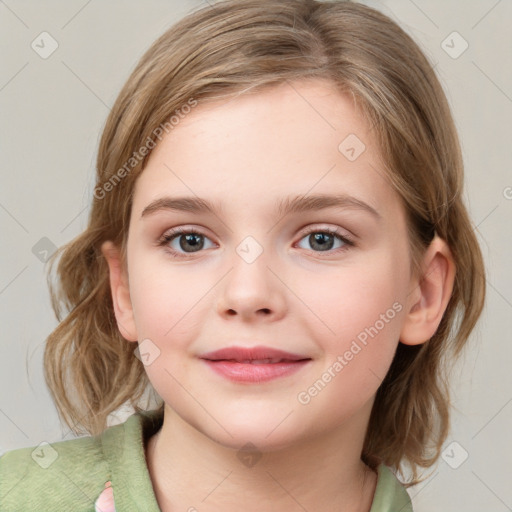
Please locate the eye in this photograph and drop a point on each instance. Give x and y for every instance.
(188, 240)
(324, 239)
(182, 241)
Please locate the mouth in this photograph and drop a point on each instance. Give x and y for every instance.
(260, 361)
(253, 355)
(253, 365)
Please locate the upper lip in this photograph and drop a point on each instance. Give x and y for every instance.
(251, 353)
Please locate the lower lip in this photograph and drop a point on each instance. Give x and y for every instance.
(246, 372)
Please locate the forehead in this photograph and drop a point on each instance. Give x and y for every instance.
(287, 140)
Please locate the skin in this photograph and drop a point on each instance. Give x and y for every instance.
(247, 153)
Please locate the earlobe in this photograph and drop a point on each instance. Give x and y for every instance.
(120, 291)
(430, 294)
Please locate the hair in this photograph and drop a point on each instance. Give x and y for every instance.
(235, 47)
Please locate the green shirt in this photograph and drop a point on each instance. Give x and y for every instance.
(71, 475)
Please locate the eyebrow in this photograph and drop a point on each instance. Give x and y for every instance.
(297, 204)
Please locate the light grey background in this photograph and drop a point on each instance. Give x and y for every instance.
(53, 111)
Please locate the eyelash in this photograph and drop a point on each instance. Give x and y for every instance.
(174, 233)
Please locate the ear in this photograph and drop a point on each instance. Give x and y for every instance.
(430, 294)
(120, 291)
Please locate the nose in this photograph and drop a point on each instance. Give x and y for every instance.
(252, 291)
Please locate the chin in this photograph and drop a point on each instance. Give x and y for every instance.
(255, 441)
(253, 431)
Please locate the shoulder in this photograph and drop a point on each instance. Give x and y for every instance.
(82, 474)
(66, 473)
(390, 495)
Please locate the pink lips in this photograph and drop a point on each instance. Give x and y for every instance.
(255, 364)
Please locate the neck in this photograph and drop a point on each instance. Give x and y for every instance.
(192, 472)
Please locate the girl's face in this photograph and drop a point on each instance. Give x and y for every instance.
(257, 274)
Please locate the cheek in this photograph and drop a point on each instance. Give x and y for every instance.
(166, 307)
(363, 309)
(364, 312)
(165, 299)
(355, 298)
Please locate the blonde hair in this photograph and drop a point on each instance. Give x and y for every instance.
(227, 49)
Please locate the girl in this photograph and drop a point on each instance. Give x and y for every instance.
(279, 250)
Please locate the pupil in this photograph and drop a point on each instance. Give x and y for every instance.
(319, 240)
(193, 240)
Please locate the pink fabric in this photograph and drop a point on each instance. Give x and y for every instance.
(105, 501)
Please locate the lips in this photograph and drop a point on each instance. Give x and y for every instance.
(253, 355)
(254, 365)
